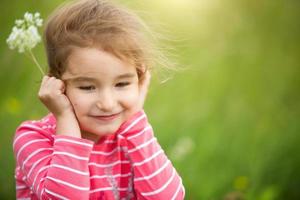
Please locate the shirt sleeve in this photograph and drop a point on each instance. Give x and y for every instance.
(51, 166)
(154, 175)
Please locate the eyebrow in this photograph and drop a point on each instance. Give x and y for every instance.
(79, 78)
(85, 78)
(127, 75)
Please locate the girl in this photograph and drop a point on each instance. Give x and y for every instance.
(96, 143)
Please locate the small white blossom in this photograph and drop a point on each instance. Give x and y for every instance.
(37, 15)
(28, 17)
(24, 35)
(183, 147)
(19, 22)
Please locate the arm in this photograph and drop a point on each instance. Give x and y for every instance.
(53, 167)
(154, 175)
(52, 95)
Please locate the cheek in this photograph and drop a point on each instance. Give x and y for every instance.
(78, 102)
(130, 99)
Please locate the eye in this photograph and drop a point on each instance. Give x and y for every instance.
(122, 84)
(87, 87)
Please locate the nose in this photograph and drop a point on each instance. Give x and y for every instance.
(106, 101)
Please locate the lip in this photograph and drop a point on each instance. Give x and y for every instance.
(107, 118)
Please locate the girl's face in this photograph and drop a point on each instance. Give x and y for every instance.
(102, 89)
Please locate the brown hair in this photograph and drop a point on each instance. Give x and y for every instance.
(100, 24)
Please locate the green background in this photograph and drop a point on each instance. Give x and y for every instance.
(230, 121)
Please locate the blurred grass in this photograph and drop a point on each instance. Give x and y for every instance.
(237, 101)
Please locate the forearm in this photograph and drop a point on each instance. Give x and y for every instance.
(155, 176)
(68, 172)
(52, 165)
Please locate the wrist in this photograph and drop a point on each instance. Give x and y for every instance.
(67, 124)
(66, 114)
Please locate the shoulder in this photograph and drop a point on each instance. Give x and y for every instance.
(44, 127)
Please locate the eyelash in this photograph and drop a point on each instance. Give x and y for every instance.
(86, 87)
(122, 84)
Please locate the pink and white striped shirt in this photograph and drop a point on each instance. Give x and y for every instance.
(129, 164)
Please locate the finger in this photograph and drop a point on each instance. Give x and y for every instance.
(54, 86)
(43, 85)
(49, 82)
(45, 79)
(144, 89)
(145, 82)
(43, 91)
(54, 83)
(147, 79)
(60, 85)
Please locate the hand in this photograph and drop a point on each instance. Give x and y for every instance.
(52, 95)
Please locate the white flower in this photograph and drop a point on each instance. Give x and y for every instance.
(25, 34)
(28, 17)
(19, 22)
(37, 15)
(183, 147)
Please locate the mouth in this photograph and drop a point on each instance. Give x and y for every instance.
(107, 118)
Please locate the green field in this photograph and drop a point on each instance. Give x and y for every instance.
(229, 121)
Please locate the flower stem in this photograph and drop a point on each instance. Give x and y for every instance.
(36, 62)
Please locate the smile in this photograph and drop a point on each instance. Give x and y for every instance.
(107, 118)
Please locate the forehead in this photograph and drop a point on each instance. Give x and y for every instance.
(92, 62)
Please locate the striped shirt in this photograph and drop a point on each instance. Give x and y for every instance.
(129, 164)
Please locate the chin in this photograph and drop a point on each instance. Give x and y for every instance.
(101, 128)
(102, 131)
